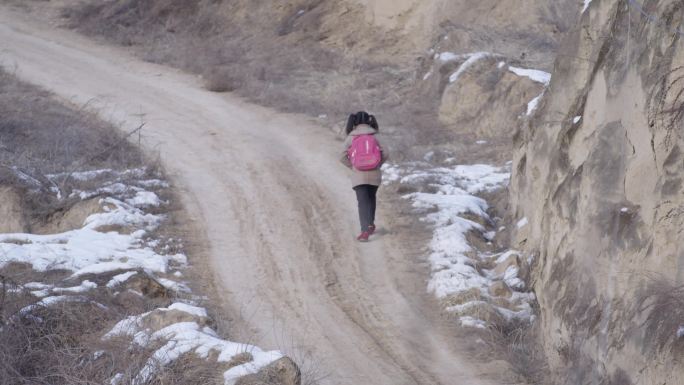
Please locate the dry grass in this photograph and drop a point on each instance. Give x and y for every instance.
(61, 344)
(518, 343)
(285, 62)
(40, 136)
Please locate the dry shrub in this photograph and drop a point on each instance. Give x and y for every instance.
(40, 136)
(48, 345)
(38, 133)
(276, 59)
(221, 79)
(518, 343)
(190, 370)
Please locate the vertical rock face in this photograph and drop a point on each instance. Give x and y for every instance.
(598, 174)
(12, 219)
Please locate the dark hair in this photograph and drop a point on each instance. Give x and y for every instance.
(361, 117)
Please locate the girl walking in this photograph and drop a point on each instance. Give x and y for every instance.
(364, 155)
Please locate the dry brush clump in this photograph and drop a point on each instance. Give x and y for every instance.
(40, 137)
(288, 56)
(518, 343)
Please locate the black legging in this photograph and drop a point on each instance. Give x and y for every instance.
(365, 195)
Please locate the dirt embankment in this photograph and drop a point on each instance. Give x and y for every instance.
(598, 174)
(327, 58)
(91, 251)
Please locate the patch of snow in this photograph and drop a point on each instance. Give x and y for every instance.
(501, 65)
(576, 119)
(116, 380)
(452, 260)
(41, 293)
(81, 175)
(194, 310)
(427, 75)
(533, 104)
(49, 301)
(522, 223)
(481, 142)
(185, 337)
(82, 288)
(390, 173)
(470, 61)
(448, 56)
(468, 321)
(624, 210)
(586, 5)
(680, 332)
(37, 285)
(144, 199)
(110, 189)
(173, 285)
(152, 183)
(87, 250)
(120, 278)
(534, 75)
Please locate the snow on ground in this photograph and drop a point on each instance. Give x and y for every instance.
(447, 201)
(586, 5)
(534, 75)
(116, 239)
(87, 250)
(471, 59)
(533, 104)
(537, 76)
(188, 336)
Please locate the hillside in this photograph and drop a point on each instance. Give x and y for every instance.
(530, 211)
(327, 58)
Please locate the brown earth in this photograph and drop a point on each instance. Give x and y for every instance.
(279, 241)
(329, 58)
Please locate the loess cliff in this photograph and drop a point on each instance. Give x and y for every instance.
(598, 175)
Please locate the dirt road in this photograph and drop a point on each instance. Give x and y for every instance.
(277, 211)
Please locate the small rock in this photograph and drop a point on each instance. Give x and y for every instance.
(146, 285)
(511, 260)
(281, 372)
(500, 289)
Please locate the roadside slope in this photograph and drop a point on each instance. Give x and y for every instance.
(279, 221)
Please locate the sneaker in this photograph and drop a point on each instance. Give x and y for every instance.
(363, 237)
(371, 229)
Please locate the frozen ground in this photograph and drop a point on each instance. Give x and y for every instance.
(447, 200)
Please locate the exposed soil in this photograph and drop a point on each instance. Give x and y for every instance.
(277, 210)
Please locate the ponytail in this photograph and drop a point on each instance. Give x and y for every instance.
(361, 117)
(351, 123)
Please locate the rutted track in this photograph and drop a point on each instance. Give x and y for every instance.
(279, 221)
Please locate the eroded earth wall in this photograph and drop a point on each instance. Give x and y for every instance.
(598, 174)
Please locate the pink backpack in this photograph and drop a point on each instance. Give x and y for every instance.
(364, 153)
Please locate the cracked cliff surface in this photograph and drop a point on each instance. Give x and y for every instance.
(598, 173)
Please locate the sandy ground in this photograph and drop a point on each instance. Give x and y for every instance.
(277, 210)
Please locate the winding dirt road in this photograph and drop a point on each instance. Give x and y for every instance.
(279, 217)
